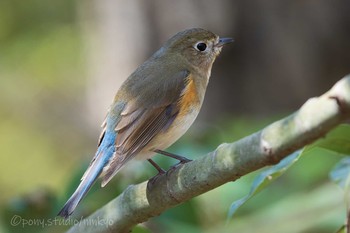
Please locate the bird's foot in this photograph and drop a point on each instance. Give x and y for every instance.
(153, 180)
(182, 161)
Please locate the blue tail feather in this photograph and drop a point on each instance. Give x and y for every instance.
(103, 154)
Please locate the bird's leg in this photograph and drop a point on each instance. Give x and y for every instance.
(154, 164)
(159, 169)
(171, 155)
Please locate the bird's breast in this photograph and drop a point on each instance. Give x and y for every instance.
(166, 138)
(189, 99)
(189, 105)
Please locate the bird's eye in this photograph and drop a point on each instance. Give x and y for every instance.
(201, 46)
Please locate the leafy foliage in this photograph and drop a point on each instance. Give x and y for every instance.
(264, 179)
(336, 142)
(341, 175)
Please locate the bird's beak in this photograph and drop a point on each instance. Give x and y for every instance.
(223, 41)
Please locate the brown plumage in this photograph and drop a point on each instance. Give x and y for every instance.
(154, 106)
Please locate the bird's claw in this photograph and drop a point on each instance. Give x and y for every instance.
(182, 161)
(153, 180)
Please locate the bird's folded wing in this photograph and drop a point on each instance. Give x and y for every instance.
(141, 122)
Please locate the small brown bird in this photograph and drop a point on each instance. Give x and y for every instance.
(154, 107)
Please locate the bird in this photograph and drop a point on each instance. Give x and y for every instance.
(153, 108)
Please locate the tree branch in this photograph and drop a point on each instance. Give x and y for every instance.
(227, 163)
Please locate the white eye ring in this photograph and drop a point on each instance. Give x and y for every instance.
(201, 46)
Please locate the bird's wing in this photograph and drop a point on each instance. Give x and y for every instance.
(141, 120)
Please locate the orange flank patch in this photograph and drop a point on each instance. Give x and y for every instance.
(189, 99)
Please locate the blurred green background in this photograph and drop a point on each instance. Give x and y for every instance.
(61, 61)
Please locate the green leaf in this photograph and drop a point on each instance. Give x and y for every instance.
(337, 140)
(342, 230)
(341, 173)
(140, 229)
(341, 176)
(264, 179)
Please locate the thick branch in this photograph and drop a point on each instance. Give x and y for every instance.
(227, 163)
